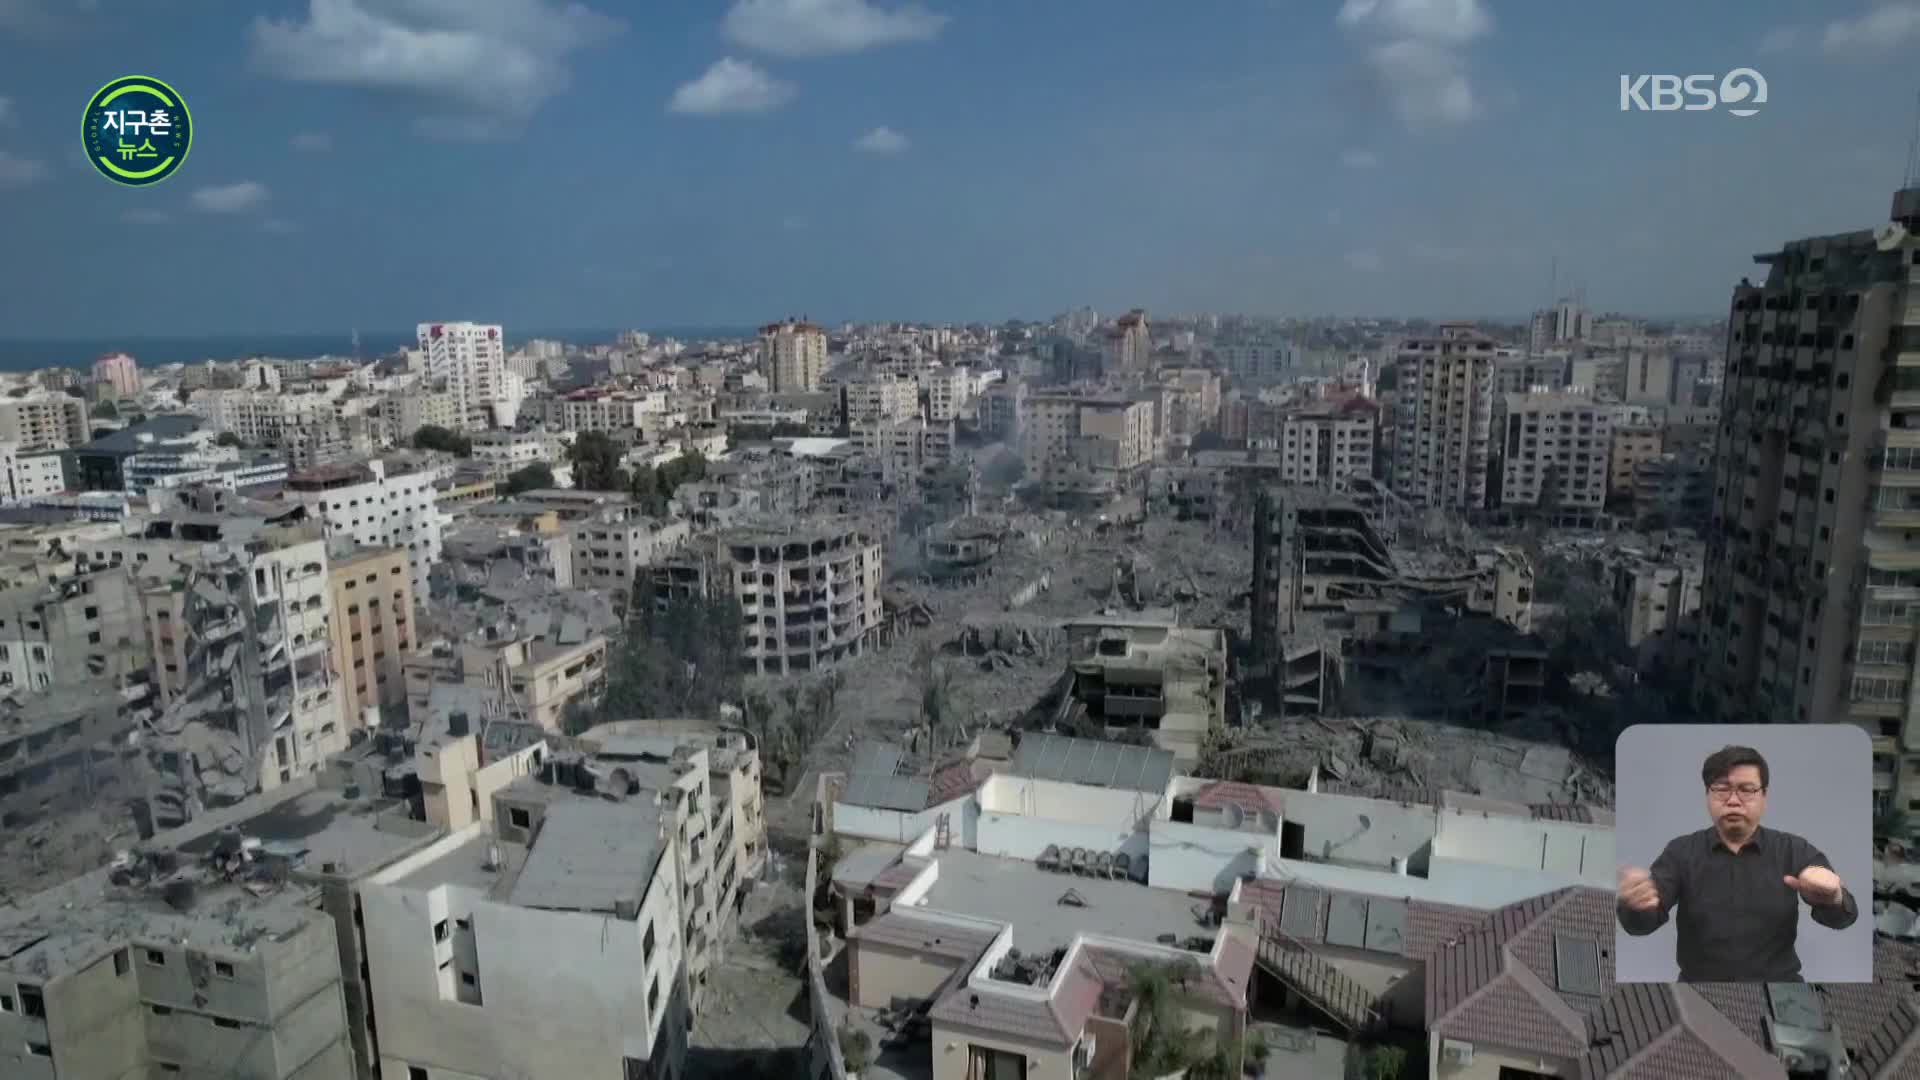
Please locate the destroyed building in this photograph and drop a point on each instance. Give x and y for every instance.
(1324, 578)
(1143, 671)
(238, 614)
(809, 590)
(539, 666)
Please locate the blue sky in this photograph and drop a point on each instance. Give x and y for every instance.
(375, 163)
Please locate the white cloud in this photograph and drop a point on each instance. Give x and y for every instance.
(882, 140)
(1780, 39)
(17, 171)
(1366, 262)
(730, 86)
(482, 67)
(1426, 84)
(1888, 26)
(313, 142)
(146, 216)
(1441, 21)
(826, 27)
(1360, 159)
(1416, 50)
(231, 198)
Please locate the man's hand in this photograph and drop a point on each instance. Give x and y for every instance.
(1818, 885)
(1637, 890)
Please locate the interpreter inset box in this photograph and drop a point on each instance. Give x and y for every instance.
(1745, 853)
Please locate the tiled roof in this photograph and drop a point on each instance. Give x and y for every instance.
(1494, 981)
(1249, 798)
(953, 781)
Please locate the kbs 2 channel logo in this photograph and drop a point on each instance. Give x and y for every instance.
(1739, 92)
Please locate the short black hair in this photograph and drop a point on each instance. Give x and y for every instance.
(1728, 758)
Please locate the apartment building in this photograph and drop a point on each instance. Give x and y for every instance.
(1527, 373)
(372, 628)
(31, 474)
(384, 502)
(1147, 673)
(504, 451)
(884, 399)
(409, 411)
(613, 548)
(534, 542)
(949, 393)
(119, 373)
(1655, 595)
(539, 676)
(470, 359)
(43, 421)
(1189, 404)
(1254, 361)
(793, 356)
(811, 590)
(1443, 409)
(610, 412)
(175, 962)
(904, 448)
(1633, 445)
(1324, 442)
(1555, 451)
(1808, 615)
(1071, 431)
(546, 941)
(1127, 349)
(1000, 409)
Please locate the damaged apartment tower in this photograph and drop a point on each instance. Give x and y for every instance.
(242, 655)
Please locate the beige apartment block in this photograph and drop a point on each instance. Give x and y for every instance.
(1810, 612)
(793, 356)
(1633, 445)
(882, 399)
(49, 422)
(810, 592)
(543, 676)
(372, 628)
(1554, 451)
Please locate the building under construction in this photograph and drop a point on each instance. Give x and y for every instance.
(1326, 582)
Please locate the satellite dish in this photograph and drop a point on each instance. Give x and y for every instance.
(1890, 236)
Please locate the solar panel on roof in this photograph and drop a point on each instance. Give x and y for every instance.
(1301, 914)
(1094, 763)
(1796, 1005)
(1387, 926)
(885, 792)
(1576, 964)
(1347, 922)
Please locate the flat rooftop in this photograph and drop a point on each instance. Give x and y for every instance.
(465, 866)
(1019, 893)
(320, 828)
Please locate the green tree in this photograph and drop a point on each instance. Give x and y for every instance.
(644, 485)
(1384, 1063)
(106, 410)
(184, 395)
(435, 437)
(677, 659)
(532, 477)
(596, 463)
(228, 438)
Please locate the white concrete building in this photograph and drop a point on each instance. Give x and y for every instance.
(381, 503)
(472, 358)
(881, 399)
(30, 474)
(949, 393)
(1554, 451)
(547, 943)
(793, 355)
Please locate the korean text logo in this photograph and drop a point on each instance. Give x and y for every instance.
(137, 131)
(1740, 92)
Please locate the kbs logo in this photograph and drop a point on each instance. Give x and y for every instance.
(1741, 92)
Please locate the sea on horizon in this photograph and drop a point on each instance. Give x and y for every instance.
(27, 354)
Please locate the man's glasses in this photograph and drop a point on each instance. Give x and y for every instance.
(1745, 791)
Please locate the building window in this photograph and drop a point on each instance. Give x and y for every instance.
(646, 945)
(223, 969)
(519, 818)
(156, 958)
(653, 997)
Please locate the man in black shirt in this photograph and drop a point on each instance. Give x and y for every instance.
(1738, 886)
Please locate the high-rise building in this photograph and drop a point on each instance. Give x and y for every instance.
(1812, 566)
(43, 422)
(372, 636)
(381, 503)
(119, 371)
(794, 355)
(1554, 451)
(1443, 409)
(1128, 347)
(472, 358)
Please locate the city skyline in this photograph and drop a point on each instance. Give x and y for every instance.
(927, 162)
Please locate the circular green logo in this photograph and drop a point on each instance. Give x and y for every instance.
(137, 131)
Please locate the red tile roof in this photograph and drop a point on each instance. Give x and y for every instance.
(903, 930)
(1251, 799)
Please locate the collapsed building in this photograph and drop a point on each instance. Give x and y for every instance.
(1144, 672)
(1327, 586)
(237, 609)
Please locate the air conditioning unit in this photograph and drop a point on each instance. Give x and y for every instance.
(1455, 1052)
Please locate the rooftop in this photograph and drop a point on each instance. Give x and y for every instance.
(1017, 892)
(591, 856)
